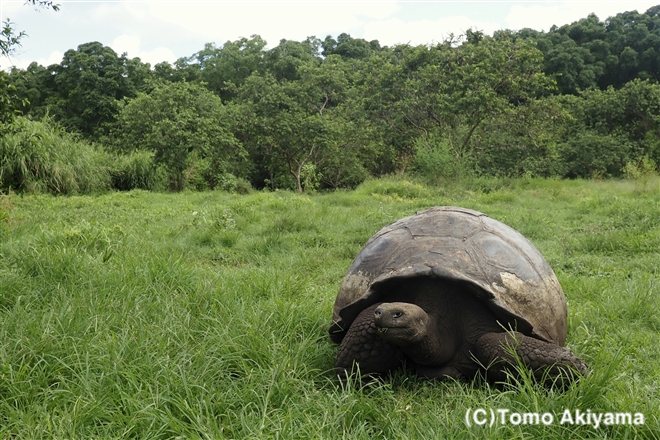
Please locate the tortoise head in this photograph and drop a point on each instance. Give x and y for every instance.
(401, 323)
(409, 327)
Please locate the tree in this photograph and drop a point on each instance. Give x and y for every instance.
(451, 92)
(524, 140)
(591, 52)
(225, 68)
(32, 88)
(349, 47)
(629, 115)
(187, 127)
(89, 83)
(294, 126)
(284, 60)
(83, 91)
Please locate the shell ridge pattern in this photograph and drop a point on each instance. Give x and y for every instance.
(545, 280)
(472, 252)
(463, 245)
(517, 247)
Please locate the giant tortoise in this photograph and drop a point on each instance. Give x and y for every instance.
(452, 292)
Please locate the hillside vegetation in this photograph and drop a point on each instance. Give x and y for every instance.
(205, 314)
(579, 101)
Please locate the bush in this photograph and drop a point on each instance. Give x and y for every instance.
(396, 187)
(588, 154)
(230, 183)
(435, 160)
(39, 157)
(187, 128)
(642, 167)
(136, 170)
(204, 175)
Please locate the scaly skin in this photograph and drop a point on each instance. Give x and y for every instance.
(494, 351)
(363, 345)
(446, 334)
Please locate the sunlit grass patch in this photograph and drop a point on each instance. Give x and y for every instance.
(205, 315)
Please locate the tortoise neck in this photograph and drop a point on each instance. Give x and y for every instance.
(431, 348)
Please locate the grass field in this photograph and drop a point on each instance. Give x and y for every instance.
(205, 315)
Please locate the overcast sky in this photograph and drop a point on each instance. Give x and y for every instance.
(159, 31)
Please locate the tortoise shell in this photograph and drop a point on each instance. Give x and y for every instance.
(488, 258)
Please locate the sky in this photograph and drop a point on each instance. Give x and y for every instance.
(164, 30)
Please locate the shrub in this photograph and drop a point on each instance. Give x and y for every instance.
(435, 160)
(587, 153)
(230, 183)
(39, 157)
(136, 170)
(395, 187)
(186, 127)
(642, 167)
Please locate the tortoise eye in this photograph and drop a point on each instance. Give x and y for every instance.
(397, 314)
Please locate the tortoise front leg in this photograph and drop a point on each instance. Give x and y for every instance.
(547, 361)
(362, 346)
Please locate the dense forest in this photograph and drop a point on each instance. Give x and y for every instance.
(578, 101)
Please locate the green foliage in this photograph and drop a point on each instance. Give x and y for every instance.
(644, 174)
(348, 47)
(37, 157)
(588, 154)
(7, 103)
(5, 213)
(393, 188)
(580, 100)
(230, 183)
(643, 167)
(285, 60)
(436, 161)
(455, 92)
(610, 128)
(225, 68)
(293, 125)
(186, 127)
(136, 170)
(82, 92)
(89, 82)
(524, 141)
(310, 178)
(634, 110)
(593, 53)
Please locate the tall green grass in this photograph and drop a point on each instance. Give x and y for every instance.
(205, 315)
(37, 157)
(136, 170)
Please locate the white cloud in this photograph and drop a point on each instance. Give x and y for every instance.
(130, 44)
(157, 55)
(117, 10)
(126, 43)
(10, 6)
(395, 31)
(55, 57)
(272, 20)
